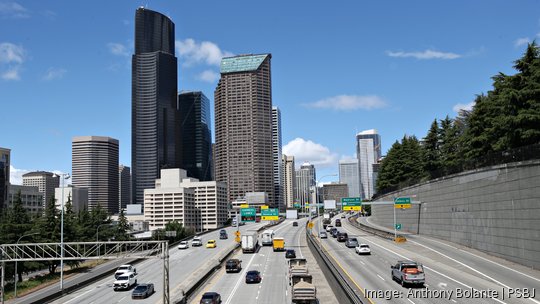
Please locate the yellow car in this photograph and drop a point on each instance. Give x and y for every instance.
(211, 244)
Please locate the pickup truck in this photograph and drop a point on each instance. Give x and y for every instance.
(124, 269)
(408, 272)
(233, 265)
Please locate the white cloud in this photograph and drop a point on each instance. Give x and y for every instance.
(349, 102)
(118, 49)
(200, 52)
(461, 106)
(13, 10)
(427, 54)
(11, 74)
(308, 151)
(54, 73)
(11, 53)
(208, 76)
(521, 41)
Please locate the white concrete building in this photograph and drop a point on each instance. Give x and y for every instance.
(368, 151)
(289, 179)
(45, 181)
(349, 173)
(78, 195)
(195, 204)
(31, 198)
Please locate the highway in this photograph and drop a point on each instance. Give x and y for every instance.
(183, 265)
(451, 271)
(272, 265)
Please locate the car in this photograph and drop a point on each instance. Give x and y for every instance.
(211, 244)
(334, 232)
(253, 276)
(408, 272)
(124, 269)
(142, 291)
(223, 234)
(210, 298)
(323, 235)
(343, 216)
(329, 228)
(290, 254)
(338, 223)
(233, 265)
(197, 241)
(295, 224)
(351, 243)
(342, 237)
(363, 249)
(183, 245)
(125, 281)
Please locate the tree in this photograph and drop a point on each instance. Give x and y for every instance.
(122, 228)
(48, 226)
(431, 150)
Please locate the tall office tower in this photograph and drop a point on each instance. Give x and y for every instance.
(195, 135)
(305, 180)
(349, 173)
(289, 180)
(154, 110)
(4, 177)
(45, 181)
(243, 109)
(95, 167)
(278, 162)
(124, 183)
(368, 151)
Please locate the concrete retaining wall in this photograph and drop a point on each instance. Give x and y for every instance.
(494, 209)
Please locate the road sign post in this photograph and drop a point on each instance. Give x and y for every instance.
(351, 204)
(270, 214)
(248, 214)
(400, 203)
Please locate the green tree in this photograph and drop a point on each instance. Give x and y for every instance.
(49, 227)
(122, 228)
(431, 150)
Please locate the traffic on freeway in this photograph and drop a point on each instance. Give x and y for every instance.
(425, 270)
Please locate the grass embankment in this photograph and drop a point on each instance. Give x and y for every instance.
(43, 280)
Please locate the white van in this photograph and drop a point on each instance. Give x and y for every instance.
(267, 237)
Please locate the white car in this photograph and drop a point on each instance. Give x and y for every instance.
(124, 269)
(196, 241)
(363, 249)
(125, 281)
(329, 227)
(183, 245)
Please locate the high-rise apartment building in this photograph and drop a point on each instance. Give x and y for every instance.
(349, 173)
(124, 183)
(95, 167)
(195, 135)
(45, 181)
(243, 111)
(368, 151)
(4, 177)
(154, 110)
(334, 191)
(31, 198)
(305, 181)
(278, 161)
(289, 180)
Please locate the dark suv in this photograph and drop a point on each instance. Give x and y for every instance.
(223, 234)
(233, 265)
(210, 298)
(342, 237)
(334, 232)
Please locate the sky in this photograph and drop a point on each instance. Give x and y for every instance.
(337, 68)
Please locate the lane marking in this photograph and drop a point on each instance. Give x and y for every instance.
(79, 295)
(410, 301)
(381, 277)
(239, 280)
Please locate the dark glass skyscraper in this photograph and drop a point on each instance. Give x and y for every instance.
(195, 136)
(154, 127)
(4, 177)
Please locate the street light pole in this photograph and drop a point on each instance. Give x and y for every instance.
(15, 290)
(64, 176)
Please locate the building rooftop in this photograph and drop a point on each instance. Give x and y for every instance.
(38, 173)
(368, 132)
(242, 63)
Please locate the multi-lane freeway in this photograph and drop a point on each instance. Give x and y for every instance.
(274, 286)
(184, 265)
(454, 274)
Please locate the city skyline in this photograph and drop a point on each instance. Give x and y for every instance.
(419, 68)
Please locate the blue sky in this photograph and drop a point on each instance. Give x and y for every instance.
(393, 66)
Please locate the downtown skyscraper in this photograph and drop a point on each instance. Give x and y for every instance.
(243, 120)
(368, 151)
(278, 159)
(154, 112)
(195, 135)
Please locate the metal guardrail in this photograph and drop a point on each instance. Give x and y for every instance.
(343, 291)
(374, 231)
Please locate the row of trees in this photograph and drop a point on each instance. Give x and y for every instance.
(82, 226)
(505, 118)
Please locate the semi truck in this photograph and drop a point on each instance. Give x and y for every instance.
(250, 242)
(303, 290)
